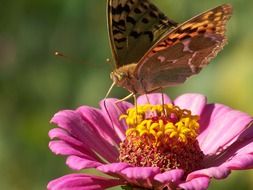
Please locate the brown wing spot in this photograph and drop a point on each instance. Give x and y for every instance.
(185, 37)
(119, 9)
(144, 5)
(190, 30)
(131, 20)
(173, 40)
(119, 40)
(202, 31)
(150, 35)
(137, 11)
(145, 20)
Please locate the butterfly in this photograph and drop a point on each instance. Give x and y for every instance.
(152, 52)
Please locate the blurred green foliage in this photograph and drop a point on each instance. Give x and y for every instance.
(34, 84)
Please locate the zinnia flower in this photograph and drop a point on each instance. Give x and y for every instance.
(180, 144)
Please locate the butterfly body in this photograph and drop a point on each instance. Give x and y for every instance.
(152, 52)
(125, 77)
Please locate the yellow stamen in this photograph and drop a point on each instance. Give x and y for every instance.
(161, 125)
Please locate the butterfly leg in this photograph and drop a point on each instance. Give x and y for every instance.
(147, 98)
(129, 96)
(146, 92)
(125, 98)
(158, 89)
(163, 101)
(135, 104)
(136, 107)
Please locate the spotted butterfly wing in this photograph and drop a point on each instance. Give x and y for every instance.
(185, 50)
(134, 27)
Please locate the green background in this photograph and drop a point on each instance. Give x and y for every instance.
(34, 84)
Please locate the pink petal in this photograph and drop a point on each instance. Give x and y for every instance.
(220, 126)
(112, 110)
(172, 176)
(58, 133)
(86, 132)
(244, 143)
(213, 172)
(193, 102)
(243, 146)
(246, 149)
(84, 158)
(240, 162)
(210, 113)
(154, 98)
(58, 147)
(78, 163)
(82, 182)
(141, 176)
(200, 183)
(114, 168)
(100, 127)
(248, 133)
(62, 148)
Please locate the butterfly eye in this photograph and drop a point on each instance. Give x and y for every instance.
(122, 76)
(117, 76)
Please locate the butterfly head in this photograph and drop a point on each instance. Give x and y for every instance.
(125, 77)
(118, 77)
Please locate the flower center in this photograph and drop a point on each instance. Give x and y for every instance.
(161, 136)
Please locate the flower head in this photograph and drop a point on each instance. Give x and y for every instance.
(179, 144)
(161, 136)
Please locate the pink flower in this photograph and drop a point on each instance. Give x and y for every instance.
(91, 139)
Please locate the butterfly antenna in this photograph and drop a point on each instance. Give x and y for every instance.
(71, 59)
(59, 54)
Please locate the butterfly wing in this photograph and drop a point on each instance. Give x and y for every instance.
(134, 27)
(185, 50)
